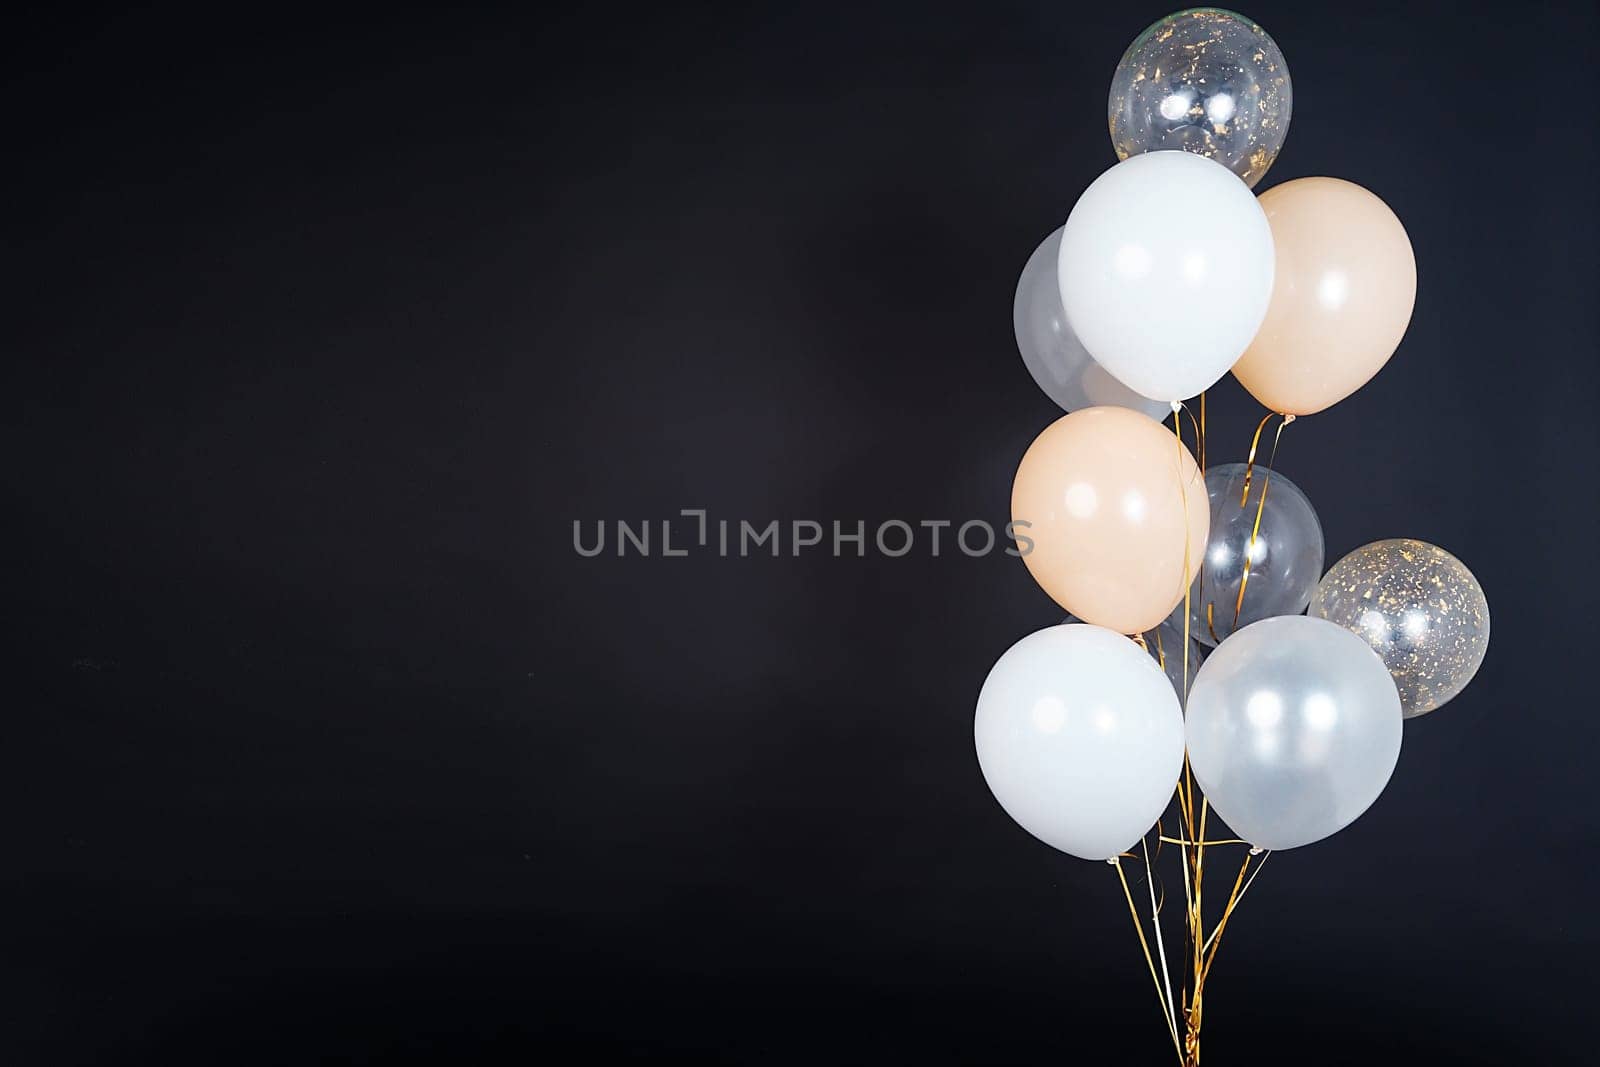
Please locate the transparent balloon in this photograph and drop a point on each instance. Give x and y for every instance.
(1293, 730)
(1285, 554)
(1205, 81)
(1055, 357)
(1419, 608)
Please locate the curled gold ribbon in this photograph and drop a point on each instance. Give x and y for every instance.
(1261, 503)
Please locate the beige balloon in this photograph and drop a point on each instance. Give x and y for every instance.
(1107, 496)
(1342, 295)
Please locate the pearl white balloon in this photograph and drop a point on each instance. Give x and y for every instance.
(1080, 738)
(1166, 271)
(1294, 728)
(1055, 357)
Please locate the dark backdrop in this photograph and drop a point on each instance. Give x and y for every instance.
(323, 745)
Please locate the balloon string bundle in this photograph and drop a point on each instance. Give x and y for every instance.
(1200, 947)
(1190, 1053)
(1138, 926)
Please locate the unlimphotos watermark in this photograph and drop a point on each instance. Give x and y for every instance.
(893, 538)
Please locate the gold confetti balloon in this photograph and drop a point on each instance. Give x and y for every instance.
(1419, 608)
(1205, 81)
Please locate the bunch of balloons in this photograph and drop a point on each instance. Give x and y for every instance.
(1169, 273)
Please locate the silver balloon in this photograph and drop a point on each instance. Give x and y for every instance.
(1419, 608)
(1285, 554)
(1053, 354)
(1205, 81)
(1293, 728)
(1165, 645)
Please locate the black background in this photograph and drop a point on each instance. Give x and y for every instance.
(323, 745)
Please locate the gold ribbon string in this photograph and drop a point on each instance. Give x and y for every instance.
(1148, 959)
(1191, 854)
(1192, 1014)
(1188, 563)
(1161, 948)
(1161, 904)
(1200, 459)
(1250, 460)
(1199, 434)
(1238, 899)
(1215, 940)
(1261, 502)
(1201, 949)
(1186, 810)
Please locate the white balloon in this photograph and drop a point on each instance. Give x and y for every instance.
(1080, 737)
(1166, 270)
(1055, 357)
(1294, 728)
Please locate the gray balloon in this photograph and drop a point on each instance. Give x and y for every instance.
(1165, 645)
(1285, 556)
(1053, 354)
(1419, 608)
(1293, 728)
